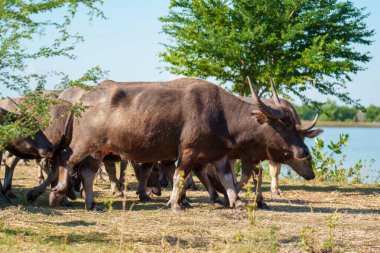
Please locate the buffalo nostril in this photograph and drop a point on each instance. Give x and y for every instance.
(310, 177)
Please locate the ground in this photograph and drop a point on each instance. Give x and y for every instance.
(151, 227)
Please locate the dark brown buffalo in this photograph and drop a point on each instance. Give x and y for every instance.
(29, 147)
(207, 173)
(189, 119)
(74, 95)
(275, 168)
(56, 136)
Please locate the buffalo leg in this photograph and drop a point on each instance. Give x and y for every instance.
(111, 171)
(259, 193)
(225, 175)
(247, 172)
(144, 173)
(201, 174)
(88, 173)
(3, 198)
(10, 164)
(65, 167)
(52, 174)
(99, 175)
(164, 182)
(190, 184)
(40, 174)
(275, 169)
(167, 170)
(185, 166)
(123, 169)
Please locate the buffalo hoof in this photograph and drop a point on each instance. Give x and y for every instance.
(239, 205)
(40, 180)
(66, 203)
(222, 201)
(11, 195)
(262, 205)
(186, 203)
(217, 205)
(82, 193)
(55, 198)
(31, 196)
(144, 198)
(71, 195)
(94, 207)
(156, 191)
(4, 199)
(118, 194)
(178, 210)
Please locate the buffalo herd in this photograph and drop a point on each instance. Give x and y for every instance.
(167, 131)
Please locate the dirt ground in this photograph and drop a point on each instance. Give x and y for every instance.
(151, 227)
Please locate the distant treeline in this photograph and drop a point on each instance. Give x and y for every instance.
(330, 111)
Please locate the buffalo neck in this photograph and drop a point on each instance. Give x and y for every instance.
(242, 125)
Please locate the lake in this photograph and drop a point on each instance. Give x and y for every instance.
(363, 143)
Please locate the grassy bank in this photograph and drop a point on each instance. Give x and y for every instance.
(346, 124)
(150, 227)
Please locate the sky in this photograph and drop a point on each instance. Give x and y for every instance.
(128, 42)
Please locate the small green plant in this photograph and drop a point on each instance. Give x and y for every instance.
(331, 219)
(310, 241)
(328, 162)
(109, 205)
(256, 238)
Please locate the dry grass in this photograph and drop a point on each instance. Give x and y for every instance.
(347, 124)
(150, 227)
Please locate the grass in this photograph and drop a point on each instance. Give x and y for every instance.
(151, 227)
(346, 124)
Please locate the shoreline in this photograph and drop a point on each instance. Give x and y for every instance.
(346, 124)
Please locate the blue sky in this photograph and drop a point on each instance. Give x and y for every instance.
(127, 44)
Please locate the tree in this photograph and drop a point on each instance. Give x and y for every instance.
(373, 113)
(297, 44)
(20, 24)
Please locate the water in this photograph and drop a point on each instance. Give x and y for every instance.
(363, 143)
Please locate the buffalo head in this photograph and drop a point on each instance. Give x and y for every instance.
(284, 137)
(36, 146)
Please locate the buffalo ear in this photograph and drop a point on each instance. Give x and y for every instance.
(260, 117)
(313, 133)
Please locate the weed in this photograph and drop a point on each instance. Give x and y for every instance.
(328, 165)
(310, 242)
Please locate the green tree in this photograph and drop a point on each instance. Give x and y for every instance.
(373, 113)
(299, 44)
(20, 24)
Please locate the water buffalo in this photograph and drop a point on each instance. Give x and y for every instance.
(207, 173)
(275, 168)
(57, 135)
(74, 95)
(189, 119)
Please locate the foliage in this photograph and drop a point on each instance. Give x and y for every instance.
(300, 44)
(310, 241)
(328, 165)
(256, 238)
(330, 111)
(20, 24)
(372, 114)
